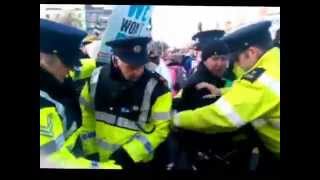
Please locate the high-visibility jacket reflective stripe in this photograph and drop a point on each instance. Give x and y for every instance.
(82, 101)
(53, 146)
(120, 122)
(107, 146)
(94, 165)
(113, 147)
(145, 143)
(229, 112)
(87, 136)
(161, 116)
(127, 123)
(274, 85)
(94, 81)
(261, 122)
(145, 107)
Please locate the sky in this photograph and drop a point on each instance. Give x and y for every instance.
(176, 24)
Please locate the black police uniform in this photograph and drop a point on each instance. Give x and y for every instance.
(63, 93)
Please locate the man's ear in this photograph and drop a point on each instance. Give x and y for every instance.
(257, 52)
(251, 52)
(114, 61)
(44, 60)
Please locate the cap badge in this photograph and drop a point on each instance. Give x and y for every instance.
(137, 49)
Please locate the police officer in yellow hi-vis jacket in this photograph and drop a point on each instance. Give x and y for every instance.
(126, 105)
(59, 126)
(253, 98)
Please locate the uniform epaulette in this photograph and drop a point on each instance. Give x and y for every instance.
(253, 74)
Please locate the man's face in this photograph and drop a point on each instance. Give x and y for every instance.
(217, 65)
(53, 64)
(248, 58)
(155, 59)
(169, 55)
(130, 72)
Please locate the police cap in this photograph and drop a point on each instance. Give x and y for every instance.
(62, 40)
(204, 37)
(131, 50)
(214, 48)
(249, 35)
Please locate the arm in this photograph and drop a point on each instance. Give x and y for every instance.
(234, 109)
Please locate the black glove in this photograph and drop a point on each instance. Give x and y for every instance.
(123, 158)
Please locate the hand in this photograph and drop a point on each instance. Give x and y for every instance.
(213, 89)
(122, 157)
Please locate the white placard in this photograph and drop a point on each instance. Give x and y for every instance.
(125, 21)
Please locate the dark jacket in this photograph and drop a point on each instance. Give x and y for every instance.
(191, 97)
(64, 93)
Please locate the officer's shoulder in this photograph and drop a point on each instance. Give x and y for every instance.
(254, 74)
(158, 77)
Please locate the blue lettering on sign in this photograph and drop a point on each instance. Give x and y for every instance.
(144, 14)
(137, 10)
(134, 28)
(130, 27)
(125, 25)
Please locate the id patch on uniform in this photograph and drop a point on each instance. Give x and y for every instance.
(254, 74)
(48, 129)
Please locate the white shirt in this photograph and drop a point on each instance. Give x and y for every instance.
(164, 71)
(93, 49)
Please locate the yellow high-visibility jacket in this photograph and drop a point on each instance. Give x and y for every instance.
(254, 98)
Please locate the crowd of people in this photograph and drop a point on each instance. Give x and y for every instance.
(214, 105)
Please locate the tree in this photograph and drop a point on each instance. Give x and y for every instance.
(71, 18)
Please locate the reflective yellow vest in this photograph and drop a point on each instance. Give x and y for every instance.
(254, 98)
(57, 142)
(87, 66)
(119, 132)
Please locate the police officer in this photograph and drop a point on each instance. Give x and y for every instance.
(204, 37)
(210, 70)
(59, 124)
(127, 105)
(254, 98)
(203, 41)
